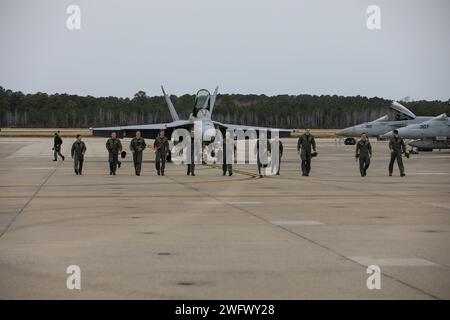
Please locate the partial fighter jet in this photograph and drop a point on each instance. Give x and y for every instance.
(378, 127)
(429, 135)
(202, 112)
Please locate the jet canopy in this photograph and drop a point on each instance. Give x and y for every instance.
(202, 99)
(403, 113)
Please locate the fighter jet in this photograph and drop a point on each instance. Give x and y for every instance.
(202, 112)
(378, 127)
(429, 135)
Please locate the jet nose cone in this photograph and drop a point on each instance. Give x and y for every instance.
(345, 132)
(388, 134)
(209, 135)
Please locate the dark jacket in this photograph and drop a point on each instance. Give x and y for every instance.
(57, 142)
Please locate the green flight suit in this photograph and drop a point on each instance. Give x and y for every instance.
(114, 147)
(191, 166)
(364, 152)
(161, 146)
(280, 154)
(78, 150)
(262, 150)
(397, 147)
(306, 144)
(227, 160)
(137, 146)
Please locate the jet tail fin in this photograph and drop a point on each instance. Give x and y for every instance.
(212, 101)
(172, 110)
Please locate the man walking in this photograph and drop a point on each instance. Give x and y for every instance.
(114, 147)
(137, 146)
(161, 146)
(280, 154)
(262, 149)
(57, 142)
(397, 147)
(305, 144)
(227, 154)
(191, 165)
(78, 150)
(363, 153)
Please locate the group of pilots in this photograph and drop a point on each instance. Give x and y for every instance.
(306, 148)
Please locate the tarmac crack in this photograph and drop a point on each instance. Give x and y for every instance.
(298, 235)
(14, 218)
(354, 261)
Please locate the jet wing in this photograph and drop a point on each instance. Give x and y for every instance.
(282, 132)
(159, 126)
(148, 130)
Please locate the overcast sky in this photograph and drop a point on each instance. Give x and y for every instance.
(259, 46)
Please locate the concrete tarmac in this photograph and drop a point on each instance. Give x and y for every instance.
(216, 237)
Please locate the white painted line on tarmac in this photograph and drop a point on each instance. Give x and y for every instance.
(214, 202)
(439, 157)
(394, 262)
(296, 223)
(440, 205)
(431, 173)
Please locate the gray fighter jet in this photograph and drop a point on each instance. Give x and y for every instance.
(377, 128)
(202, 112)
(428, 135)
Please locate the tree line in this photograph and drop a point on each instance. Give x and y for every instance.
(285, 111)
